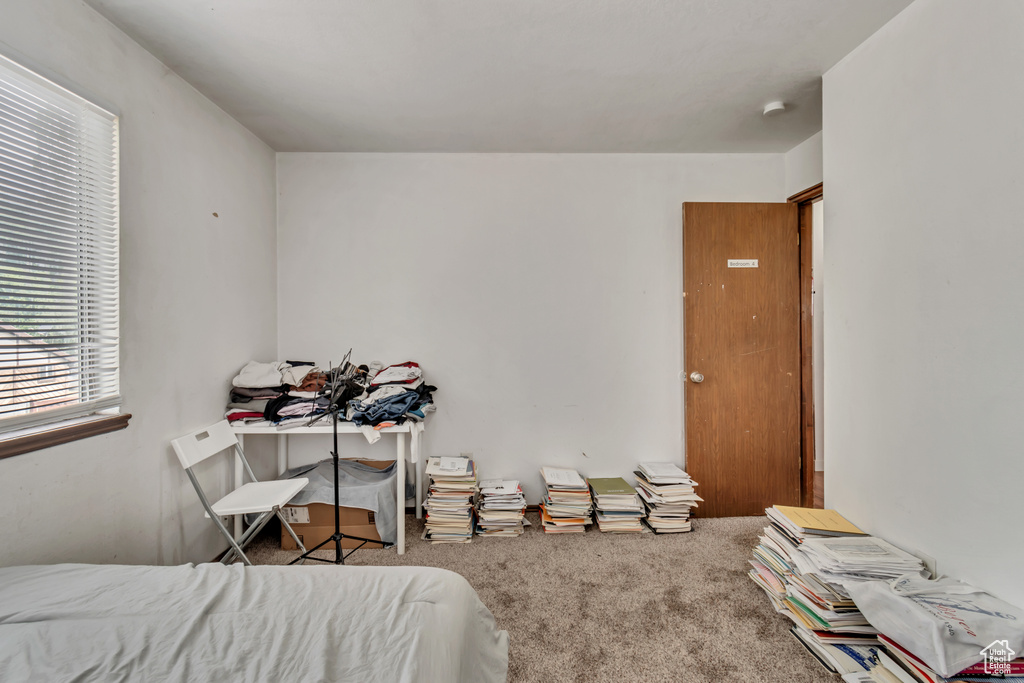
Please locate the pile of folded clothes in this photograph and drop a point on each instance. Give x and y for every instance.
(393, 395)
(282, 392)
(276, 392)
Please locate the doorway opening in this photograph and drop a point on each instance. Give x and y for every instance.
(811, 211)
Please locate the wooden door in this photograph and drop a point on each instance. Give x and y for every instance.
(741, 276)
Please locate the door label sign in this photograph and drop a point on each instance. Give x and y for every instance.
(743, 263)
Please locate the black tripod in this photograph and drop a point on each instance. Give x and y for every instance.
(337, 537)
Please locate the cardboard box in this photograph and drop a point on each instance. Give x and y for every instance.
(320, 527)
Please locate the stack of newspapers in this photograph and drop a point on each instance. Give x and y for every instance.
(500, 509)
(669, 495)
(449, 502)
(565, 507)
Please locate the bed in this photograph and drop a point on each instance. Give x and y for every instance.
(212, 622)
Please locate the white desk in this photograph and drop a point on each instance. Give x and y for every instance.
(413, 429)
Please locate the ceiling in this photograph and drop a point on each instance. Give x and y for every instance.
(508, 75)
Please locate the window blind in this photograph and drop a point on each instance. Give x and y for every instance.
(59, 325)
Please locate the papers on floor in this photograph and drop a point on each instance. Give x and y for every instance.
(617, 506)
(566, 505)
(449, 503)
(668, 495)
(808, 562)
(800, 523)
(801, 565)
(840, 658)
(501, 507)
(857, 557)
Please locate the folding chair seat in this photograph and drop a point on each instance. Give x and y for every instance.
(263, 497)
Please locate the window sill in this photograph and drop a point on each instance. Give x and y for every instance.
(38, 438)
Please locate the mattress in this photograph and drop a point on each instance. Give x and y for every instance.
(218, 623)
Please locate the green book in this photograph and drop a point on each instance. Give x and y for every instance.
(613, 486)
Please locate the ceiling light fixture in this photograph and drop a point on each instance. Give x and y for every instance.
(774, 108)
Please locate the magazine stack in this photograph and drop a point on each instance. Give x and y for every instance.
(501, 508)
(566, 504)
(449, 504)
(669, 495)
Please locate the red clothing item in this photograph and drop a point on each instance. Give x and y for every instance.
(241, 416)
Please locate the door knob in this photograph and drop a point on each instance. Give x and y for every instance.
(696, 377)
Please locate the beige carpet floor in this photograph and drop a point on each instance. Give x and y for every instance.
(610, 608)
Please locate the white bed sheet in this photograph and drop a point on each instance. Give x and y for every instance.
(232, 623)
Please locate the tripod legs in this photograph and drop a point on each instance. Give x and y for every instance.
(337, 537)
(339, 555)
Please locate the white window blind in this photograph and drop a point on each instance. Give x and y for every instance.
(58, 252)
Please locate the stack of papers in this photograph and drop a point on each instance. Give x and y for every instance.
(449, 503)
(839, 657)
(805, 561)
(858, 557)
(618, 507)
(817, 603)
(661, 473)
(668, 494)
(500, 509)
(798, 524)
(566, 504)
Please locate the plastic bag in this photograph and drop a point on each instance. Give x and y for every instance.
(945, 623)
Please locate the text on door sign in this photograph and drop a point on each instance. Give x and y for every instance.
(743, 263)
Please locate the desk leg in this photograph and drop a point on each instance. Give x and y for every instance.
(416, 436)
(419, 490)
(238, 484)
(282, 453)
(400, 540)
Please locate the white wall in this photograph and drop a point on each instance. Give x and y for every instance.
(804, 165)
(198, 297)
(924, 394)
(541, 293)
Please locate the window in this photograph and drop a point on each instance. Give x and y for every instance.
(58, 254)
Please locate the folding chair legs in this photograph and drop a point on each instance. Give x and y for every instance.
(236, 548)
(231, 539)
(286, 525)
(216, 519)
(255, 528)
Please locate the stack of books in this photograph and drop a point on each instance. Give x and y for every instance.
(668, 494)
(617, 506)
(566, 504)
(449, 503)
(501, 507)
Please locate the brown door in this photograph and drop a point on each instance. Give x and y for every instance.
(741, 276)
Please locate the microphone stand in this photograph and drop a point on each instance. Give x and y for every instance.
(337, 537)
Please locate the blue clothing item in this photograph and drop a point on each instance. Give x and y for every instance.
(384, 410)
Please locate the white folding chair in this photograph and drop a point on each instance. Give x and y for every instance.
(265, 497)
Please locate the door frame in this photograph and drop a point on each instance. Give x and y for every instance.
(804, 200)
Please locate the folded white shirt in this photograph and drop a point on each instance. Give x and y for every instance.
(256, 375)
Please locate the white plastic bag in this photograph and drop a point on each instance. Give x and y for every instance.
(945, 623)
